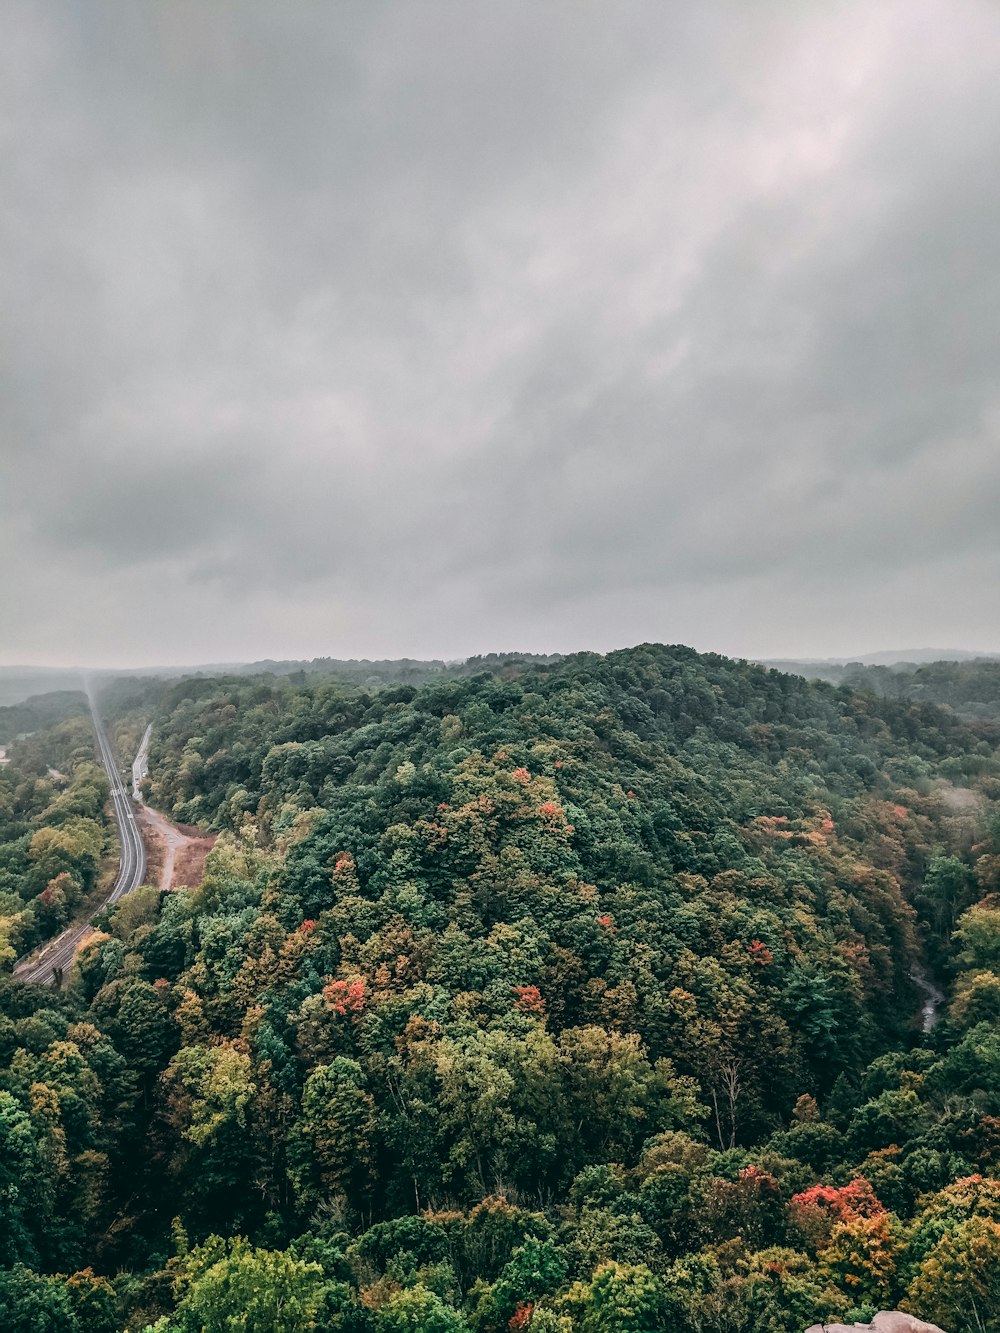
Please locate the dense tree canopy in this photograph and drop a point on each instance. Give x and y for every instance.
(576, 996)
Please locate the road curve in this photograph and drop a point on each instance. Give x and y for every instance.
(55, 957)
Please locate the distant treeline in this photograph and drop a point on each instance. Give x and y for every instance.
(970, 689)
(130, 692)
(19, 685)
(389, 671)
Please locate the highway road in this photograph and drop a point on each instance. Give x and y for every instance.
(54, 959)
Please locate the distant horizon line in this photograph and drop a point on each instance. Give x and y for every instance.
(919, 656)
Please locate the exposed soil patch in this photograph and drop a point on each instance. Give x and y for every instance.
(189, 864)
(176, 852)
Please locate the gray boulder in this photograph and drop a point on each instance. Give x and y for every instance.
(888, 1321)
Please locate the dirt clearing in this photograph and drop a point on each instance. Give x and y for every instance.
(176, 852)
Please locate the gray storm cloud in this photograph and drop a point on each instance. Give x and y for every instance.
(381, 329)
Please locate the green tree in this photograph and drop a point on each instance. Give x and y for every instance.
(977, 939)
(620, 1298)
(41, 1304)
(958, 1283)
(418, 1310)
(19, 1172)
(338, 1124)
(228, 1285)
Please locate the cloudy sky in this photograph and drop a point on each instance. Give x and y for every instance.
(372, 329)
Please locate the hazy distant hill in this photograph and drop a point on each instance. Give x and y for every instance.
(18, 683)
(818, 668)
(969, 687)
(923, 655)
(39, 711)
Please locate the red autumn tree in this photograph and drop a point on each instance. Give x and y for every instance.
(816, 1211)
(529, 1000)
(345, 997)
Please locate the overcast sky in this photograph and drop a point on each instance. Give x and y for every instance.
(438, 328)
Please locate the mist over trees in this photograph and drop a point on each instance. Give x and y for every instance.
(970, 689)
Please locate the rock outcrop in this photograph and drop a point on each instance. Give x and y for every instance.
(888, 1321)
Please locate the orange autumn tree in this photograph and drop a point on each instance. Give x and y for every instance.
(863, 1257)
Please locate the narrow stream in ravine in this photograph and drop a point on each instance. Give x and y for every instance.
(930, 1010)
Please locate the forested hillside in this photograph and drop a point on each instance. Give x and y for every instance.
(561, 997)
(54, 832)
